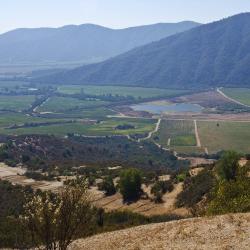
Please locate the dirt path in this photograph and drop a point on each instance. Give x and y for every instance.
(206, 151)
(169, 142)
(169, 199)
(198, 141)
(219, 90)
(40, 105)
(157, 127)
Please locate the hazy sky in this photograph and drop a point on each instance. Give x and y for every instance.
(113, 13)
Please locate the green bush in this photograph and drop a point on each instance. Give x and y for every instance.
(232, 196)
(228, 165)
(130, 184)
(108, 186)
(195, 188)
(160, 188)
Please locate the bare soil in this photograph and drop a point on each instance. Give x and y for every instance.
(208, 233)
(16, 177)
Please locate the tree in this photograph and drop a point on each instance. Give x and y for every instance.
(55, 220)
(228, 165)
(130, 184)
(108, 186)
(160, 188)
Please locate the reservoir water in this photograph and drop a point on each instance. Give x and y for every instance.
(168, 108)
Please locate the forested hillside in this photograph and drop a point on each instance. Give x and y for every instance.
(216, 54)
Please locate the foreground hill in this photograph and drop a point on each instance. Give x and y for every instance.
(216, 54)
(84, 43)
(221, 232)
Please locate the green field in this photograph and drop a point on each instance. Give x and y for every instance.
(225, 136)
(239, 94)
(105, 128)
(136, 92)
(62, 104)
(11, 84)
(16, 103)
(181, 133)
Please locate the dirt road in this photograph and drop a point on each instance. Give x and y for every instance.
(157, 127)
(219, 90)
(198, 141)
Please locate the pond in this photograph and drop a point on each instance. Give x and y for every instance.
(168, 108)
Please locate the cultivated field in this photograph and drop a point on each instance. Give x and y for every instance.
(89, 128)
(241, 95)
(136, 92)
(96, 116)
(16, 103)
(176, 133)
(62, 104)
(228, 135)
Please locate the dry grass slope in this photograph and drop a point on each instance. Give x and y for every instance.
(221, 232)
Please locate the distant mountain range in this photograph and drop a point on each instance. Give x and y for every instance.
(215, 54)
(85, 43)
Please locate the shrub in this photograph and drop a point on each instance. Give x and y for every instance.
(54, 220)
(232, 196)
(228, 165)
(195, 188)
(108, 186)
(160, 188)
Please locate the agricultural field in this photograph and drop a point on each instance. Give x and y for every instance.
(107, 127)
(218, 136)
(62, 104)
(175, 133)
(98, 113)
(16, 103)
(136, 92)
(11, 84)
(8, 119)
(241, 95)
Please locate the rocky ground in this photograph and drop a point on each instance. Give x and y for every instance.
(221, 232)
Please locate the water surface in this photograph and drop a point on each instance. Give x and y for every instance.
(168, 108)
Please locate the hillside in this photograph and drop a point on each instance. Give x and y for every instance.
(84, 43)
(221, 232)
(215, 54)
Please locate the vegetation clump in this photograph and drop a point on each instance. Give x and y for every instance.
(130, 184)
(160, 188)
(107, 186)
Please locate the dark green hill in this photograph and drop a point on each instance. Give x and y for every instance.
(215, 54)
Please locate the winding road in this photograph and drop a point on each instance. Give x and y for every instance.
(152, 132)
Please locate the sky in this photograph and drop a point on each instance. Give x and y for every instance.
(113, 13)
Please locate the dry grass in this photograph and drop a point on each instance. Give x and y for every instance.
(221, 232)
(15, 176)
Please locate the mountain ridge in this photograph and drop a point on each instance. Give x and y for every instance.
(86, 42)
(211, 55)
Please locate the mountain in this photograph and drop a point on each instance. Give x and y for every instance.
(85, 43)
(215, 54)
